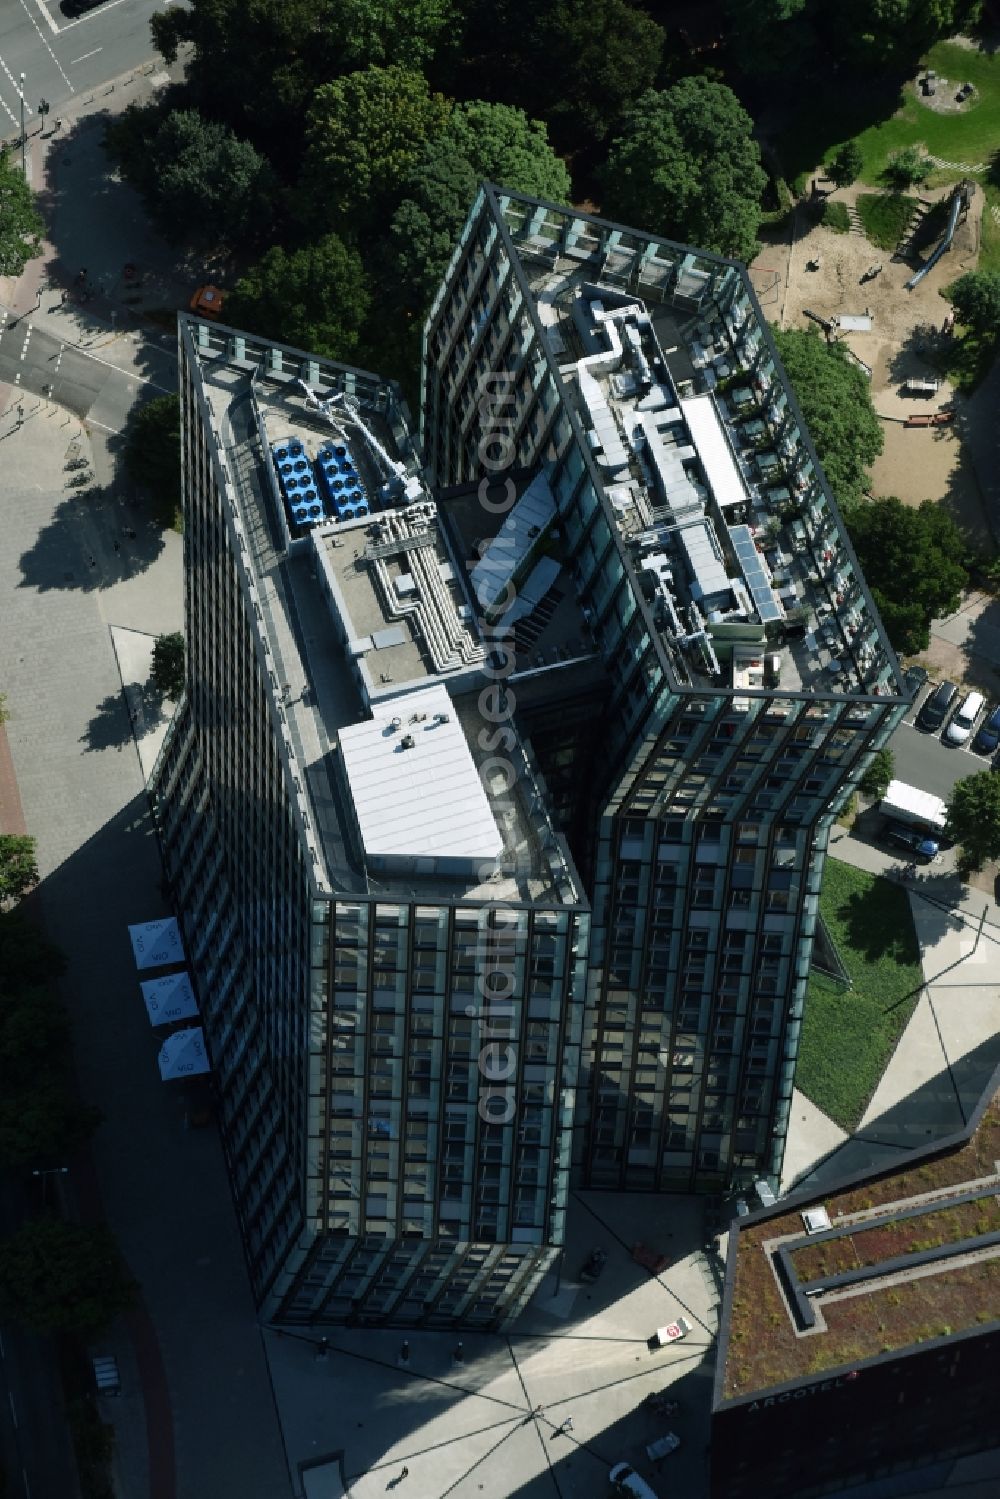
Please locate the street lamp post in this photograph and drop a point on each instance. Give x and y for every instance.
(52, 1171)
(24, 135)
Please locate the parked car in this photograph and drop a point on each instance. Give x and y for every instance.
(964, 720)
(663, 1446)
(936, 707)
(78, 7)
(914, 678)
(988, 738)
(916, 843)
(626, 1480)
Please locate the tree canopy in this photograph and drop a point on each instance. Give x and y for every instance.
(912, 558)
(316, 296)
(21, 226)
(153, 455)
(197, 179)
(18, 866)
(686, 165)
(481, 141)
(365, 133)
(168, 664)
(875, 781)
(63, 1277)
(26, 958)
(257, 66)
(974, 818)
(845, 167)
(976, 300)
(836, 402)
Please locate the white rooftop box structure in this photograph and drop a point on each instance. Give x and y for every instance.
(419, 804)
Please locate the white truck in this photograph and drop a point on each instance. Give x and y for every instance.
(918, 809)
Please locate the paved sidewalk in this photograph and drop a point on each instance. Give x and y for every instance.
(542, 1412)
(206, 1393)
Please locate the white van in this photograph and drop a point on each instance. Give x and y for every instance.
(626, 1480)
(964, 719)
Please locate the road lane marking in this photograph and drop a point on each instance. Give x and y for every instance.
(41, 38)
(75, 60)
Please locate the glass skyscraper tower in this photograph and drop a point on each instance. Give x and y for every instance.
(496, 805)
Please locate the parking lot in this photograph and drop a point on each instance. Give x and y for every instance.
(925, 760)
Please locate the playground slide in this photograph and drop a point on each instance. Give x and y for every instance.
(957, 199)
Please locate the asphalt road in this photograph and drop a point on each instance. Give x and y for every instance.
(62, 58)
(80, 380)
(922, 759)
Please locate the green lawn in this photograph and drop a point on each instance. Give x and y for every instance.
(884, 123)
(885, 216)
(969, 138)
(836, 217)
(849, 1036)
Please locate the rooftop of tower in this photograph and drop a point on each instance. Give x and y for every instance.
(369, 640)
(708, 476)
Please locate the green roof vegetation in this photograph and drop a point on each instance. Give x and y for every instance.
(760, 1345)
(849, 1035)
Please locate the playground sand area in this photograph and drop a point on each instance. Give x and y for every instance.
(918, 463)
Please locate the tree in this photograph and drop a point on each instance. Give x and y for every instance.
(25, 956)
(880, 34)
(153, 455)
(481, 141)
(21, 226)
(256, 67)
(845, 167)
(576, 64)
(43, 1122)
(167, 674)
(63, 1277)
(976, 300)
(907, 168)
(198, 180)
(974, 818)
(34, 1033)
(365, 133)
(18, 866)
(912, 559)
(768, 37)
(836, 402)
(880, 772)
(686, 165)
(316, 296)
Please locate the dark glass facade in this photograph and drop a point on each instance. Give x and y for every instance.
(706, 843)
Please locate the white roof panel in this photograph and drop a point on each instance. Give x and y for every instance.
(709, 438)
(426, 802)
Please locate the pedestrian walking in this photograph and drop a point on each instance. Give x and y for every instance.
(64, 298)
(567, 1424)
(404, 1474)
(118, 546)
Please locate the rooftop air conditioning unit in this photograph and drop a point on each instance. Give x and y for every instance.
(395, 723)
(816, 1220)
(407, 742)
(442, 717)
